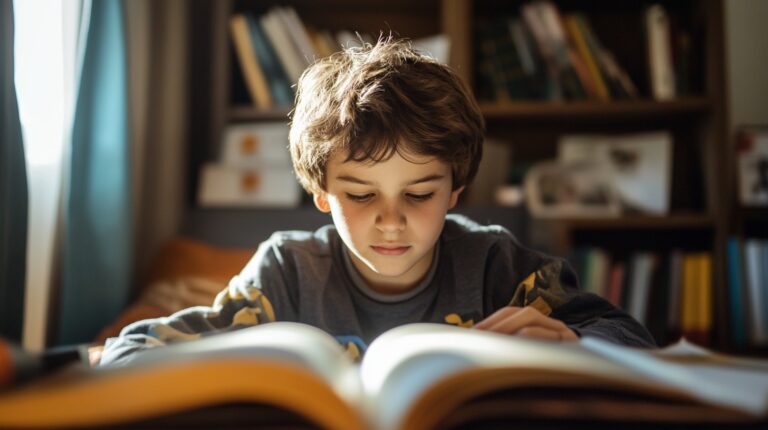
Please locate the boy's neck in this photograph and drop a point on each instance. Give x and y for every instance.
(387, 291)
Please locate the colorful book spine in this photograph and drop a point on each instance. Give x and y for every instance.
(657, 28)
(577, 36)
(279, 86)
(735, 288)
(704, 326)
(246, 54)
(278, 36)
(754, 269)
(675, 289)
(690, 307)
(616, 283)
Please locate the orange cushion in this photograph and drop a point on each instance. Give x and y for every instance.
(187, 257)
(185, 263)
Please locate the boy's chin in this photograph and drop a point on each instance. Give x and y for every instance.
(391, 271)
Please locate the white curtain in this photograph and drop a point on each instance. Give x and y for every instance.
(47, 34)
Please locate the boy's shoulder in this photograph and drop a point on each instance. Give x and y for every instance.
(461, 228)
(318, 242)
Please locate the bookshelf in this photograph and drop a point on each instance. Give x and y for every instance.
(531, 110)
(699, 217)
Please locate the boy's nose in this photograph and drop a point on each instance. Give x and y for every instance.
(390, 219)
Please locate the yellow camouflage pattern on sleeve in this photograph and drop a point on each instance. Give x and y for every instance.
(232, 307)
(541, 289)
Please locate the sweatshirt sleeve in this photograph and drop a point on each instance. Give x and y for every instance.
(255, 296)
(551, 286)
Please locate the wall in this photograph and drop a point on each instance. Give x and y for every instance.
(747, 61)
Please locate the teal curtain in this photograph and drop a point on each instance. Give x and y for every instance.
(13, 190)
(97, 248)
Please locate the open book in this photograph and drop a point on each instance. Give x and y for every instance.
(419, 376)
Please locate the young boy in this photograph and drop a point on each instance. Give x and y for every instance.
(386, 139)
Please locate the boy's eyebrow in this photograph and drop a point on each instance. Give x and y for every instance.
(428, 178)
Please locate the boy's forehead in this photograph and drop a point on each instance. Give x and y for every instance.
(397, 166)
(342, 160)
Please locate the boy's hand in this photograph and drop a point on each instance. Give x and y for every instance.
(527, 321)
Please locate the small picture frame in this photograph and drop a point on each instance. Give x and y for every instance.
(752, 165)
(570, 190)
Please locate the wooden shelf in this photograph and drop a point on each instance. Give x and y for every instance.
(537, 110)
(755, 213)
(650, 222)
(594, 109)
(245, 113)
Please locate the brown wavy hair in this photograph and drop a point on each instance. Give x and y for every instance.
(377, 99)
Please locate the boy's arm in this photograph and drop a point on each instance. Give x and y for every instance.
(562, 311)
(234, 307)
(243, 303)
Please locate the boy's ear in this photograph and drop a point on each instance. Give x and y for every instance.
(321, 202)
(455, 197)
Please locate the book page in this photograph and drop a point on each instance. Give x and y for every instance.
(290, 366)
(402, 367)
(286, 342)
(735, 383)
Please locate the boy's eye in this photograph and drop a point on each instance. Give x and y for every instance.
(420, 197)
(359, 197)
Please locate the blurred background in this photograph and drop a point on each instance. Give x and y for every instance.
(144, 149)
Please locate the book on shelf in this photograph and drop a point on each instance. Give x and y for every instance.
(669, 292)
(502, 67)
(417, 376)
(658, 42)
(675, 290)
(297, 33)
(659, 298)
(756, 269)
(696, 292)
(616, 283)
(578, 37)
(540, 18)
(738, 309)
(597, 263)
(619, 84)
(643, 266)
(279, 37)
(545, 55)
(525, 47)
(254, 76)
(279, 85)
(323, 40)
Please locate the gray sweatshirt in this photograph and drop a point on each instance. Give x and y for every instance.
(308, 277)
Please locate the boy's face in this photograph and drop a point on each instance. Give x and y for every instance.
(389, 214)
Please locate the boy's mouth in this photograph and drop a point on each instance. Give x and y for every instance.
(390, 250)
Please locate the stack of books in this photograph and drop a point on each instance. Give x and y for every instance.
(254, 169)
(273, 50)
(671, 293)
(747, 281)
(542, 54)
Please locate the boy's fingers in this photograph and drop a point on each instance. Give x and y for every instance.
(526, 317)
(540, 333)
(497, 317)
